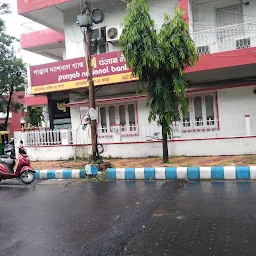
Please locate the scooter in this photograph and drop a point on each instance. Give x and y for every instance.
(24, 171)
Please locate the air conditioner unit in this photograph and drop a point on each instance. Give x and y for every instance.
(243, 43)
(113, 33)
(99, 47)
(99, 34)
(98, 42)
(204, 49)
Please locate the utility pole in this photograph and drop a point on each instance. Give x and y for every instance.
(86, 19)
(87, 38)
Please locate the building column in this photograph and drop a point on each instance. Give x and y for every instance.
(247, 125)
(50, 111)
(184, 5)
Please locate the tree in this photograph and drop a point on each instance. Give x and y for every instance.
(159, 59)
(12, 70)
(35, 115)
(6, 44)
(12, 81)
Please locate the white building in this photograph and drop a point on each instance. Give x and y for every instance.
(222, 115)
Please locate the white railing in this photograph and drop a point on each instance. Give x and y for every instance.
(42, 137)
(146, 133)
(226, 38)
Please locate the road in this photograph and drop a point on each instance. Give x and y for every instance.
(77, 218)
(127, 218)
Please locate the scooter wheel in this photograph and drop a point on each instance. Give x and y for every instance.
(27, 177)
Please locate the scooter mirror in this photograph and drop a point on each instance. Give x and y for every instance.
(21, 142)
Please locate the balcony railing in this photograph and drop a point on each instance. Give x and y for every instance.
(226, 38)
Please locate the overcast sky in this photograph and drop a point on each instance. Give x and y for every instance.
(14, 28)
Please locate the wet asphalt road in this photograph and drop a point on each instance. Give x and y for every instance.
(128, 218)
(47, 219)
(207, 218)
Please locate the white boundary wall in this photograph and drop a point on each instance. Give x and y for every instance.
(57, 153)
(208, 147)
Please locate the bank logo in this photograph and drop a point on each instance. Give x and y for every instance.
(61, 107)
(94, 62)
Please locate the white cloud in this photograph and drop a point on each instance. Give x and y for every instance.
(14, 28)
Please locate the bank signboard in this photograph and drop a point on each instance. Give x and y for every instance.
(108, 68)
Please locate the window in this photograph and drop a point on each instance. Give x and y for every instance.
(186, 119)
(230, 15)
(112, 116)
(120, 114)
(131, 114)
(122, 117)
(103, 120)
(209, 109)
(198, 119)
(201, 112)
(230, 27)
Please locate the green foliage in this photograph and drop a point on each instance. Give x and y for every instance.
(4, 8)
(35, 116)
(12, 69)
(159, 59)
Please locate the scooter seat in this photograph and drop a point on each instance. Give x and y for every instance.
(7, 161)
(4, 156)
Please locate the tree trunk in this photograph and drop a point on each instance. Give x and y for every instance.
(165, 144)
(8, 110)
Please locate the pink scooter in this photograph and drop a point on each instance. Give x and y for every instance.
(24, 171)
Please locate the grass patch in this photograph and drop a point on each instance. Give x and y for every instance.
(251, 159)
(79, 160)
(101, 177)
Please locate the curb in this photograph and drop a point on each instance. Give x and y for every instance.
(60, 174)
(177, 173)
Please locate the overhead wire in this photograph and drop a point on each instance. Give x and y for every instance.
(48, 15)
(113, 4)
(77, 42)
(34, 30)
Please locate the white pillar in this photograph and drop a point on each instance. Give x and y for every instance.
(116, 133)
(64, 137)
(18, 137)
(247, 125)
(190, 19)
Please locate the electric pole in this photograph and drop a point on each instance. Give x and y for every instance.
(88, 37)
(86, 19)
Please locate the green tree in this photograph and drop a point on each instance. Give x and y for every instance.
(6, 43)
(12, 79)
(159, 59)
(12, 69)
(35, 115)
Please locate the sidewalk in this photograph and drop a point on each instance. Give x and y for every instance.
(155, 162)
